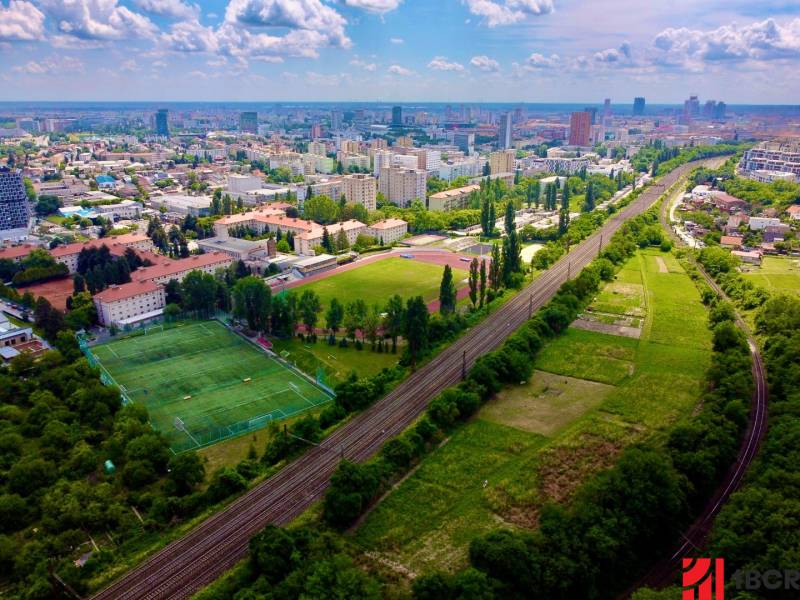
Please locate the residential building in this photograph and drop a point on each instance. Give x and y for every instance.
(727, 203)
(360, 161)
(752, 258)
(126, 304)
(406, 161)
(352, 146)
(504, 132)
(360, 189)
(502, 161)
(759, 223)
(454, 199)
(244, 183)
(306, 243)
(388, 231)
(580, 126)
(117, 245)
(16, 253)
(14, 207)
(13, 335)
(765, 176)
(779, 155)
(248, 122)
(464, 142)
(167, 269)
(318, 148)
(402, 186)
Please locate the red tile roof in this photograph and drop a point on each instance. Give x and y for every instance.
(126, 290)
(173, 267)
(15, 252)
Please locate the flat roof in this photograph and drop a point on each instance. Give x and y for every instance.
(232, 243)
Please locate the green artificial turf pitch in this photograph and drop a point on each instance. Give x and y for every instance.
(196, 372)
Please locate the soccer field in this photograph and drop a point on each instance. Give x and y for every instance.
(202, 382)
(376, 282)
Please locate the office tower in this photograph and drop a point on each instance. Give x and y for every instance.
(248, 122)
(719, 113)
(336, 120)
(607, 109)
(638, 106)
(592, 114)
(464, 142)
(580, 126)
(14, 210)
(397, 116)
(162, 122)
(691, 108)
(504, 132)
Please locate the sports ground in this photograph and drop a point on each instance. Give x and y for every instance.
(202, 382)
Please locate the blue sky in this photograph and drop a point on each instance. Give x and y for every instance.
(402, 50)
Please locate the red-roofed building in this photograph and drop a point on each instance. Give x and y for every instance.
(730, 241)
(167, 269)
(117, 245)
(727, 203)
(128, 303)
(17, 253)
(388, 231)
(794, 212)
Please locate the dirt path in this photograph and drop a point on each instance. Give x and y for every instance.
(662, 266)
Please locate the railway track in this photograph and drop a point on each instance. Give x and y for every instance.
(693, 539)
(194, 561)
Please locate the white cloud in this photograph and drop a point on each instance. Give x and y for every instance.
(169, 8)
(324, 79)
(400, 70)
(52, 65)
(129, 66)
(374, 6)
(508, 12)
(614, 55)
(296, 15)
(98, 19)
(440, 63)
(21, 21)
(397, 40)
(484, 63)
(190, 36)
(362, 64)
(761, 41)
(538, 61)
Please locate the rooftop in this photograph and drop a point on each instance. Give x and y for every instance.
(388, 224)
(232, 243)
(126, 290)
(173, 267)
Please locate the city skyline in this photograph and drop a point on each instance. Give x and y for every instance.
(401, 50)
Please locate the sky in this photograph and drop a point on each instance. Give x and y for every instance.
(739, 51)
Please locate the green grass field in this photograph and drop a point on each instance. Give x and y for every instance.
(196, 371)
(592, 395)
(376, 282)
(336, 362)
(777, 274)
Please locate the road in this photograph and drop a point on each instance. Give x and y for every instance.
(192, 562)
(664, 572)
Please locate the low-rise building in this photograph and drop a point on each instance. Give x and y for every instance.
(752, 258)
(305, 243)
(117, 245)
(167, 269)
(235, 248)
(181, 204)
(128, 303)
(759, 223)
(13, 335)
(454, 199)
(388, 231)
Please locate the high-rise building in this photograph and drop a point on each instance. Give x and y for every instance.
(162, 122)
(592, 113)
(402, 186)
(248, 122)
(316, 131)
(14, 209)
(502, 161)
(691, 108)
(397, 116)
(580, 126)
(336, 120)
(607, 110)
(464, 142)
(504, 132)
(638, 106)
(360, 189)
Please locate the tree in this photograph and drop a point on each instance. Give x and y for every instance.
(172, 291)
(252, 299)
(509, 220)
(494, 268)
(78, 283)
(355, 314)
(372, 323)
(473, 282)
(395, 317)
(310, 307)
(482, 290)
(320, 209)
(447, 292)
(342, 243)
(589, 200)
(415, 328)
(334, 316)
(511, 258)
(199, 292)
(186, 471)
(227, 204)
(327, 243)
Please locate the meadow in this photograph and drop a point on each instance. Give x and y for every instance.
(776, 274)
(592, 395)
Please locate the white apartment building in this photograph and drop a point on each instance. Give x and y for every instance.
(178, 269)
(126, 304)
(360, 189)
(244, 183)
(759, 223)
(405, 161)
(305, 243)
(466, 168)
(783, 156)
(388, 231)
(380, 159)
(402, 186)
(360, 161)
(765, 176)
(318, 148)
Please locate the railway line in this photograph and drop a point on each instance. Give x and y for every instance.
(192, 562)
(663, 573)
